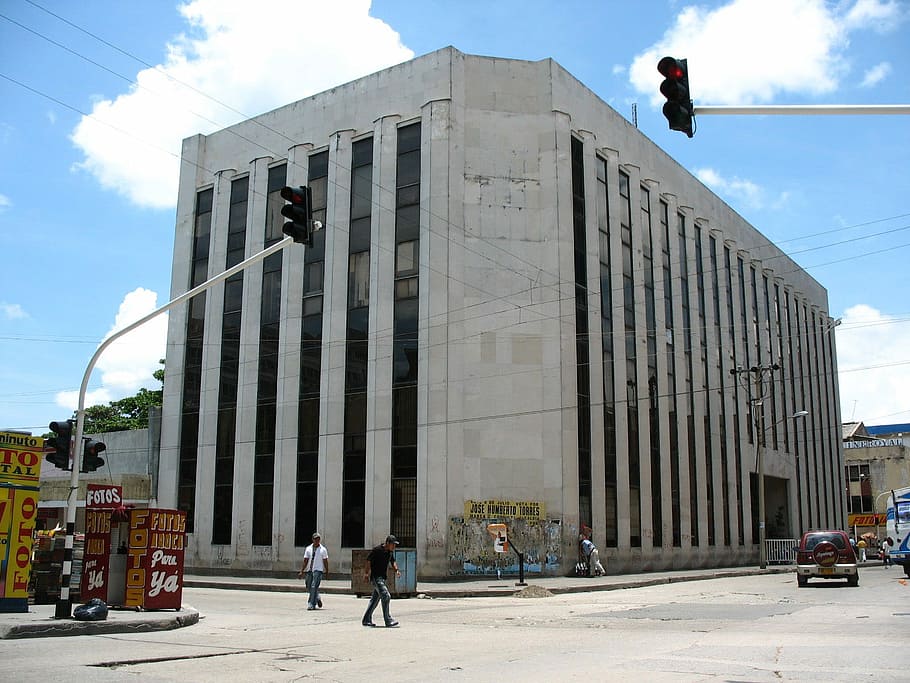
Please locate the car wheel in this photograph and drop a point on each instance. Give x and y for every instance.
(853, 580)
(801, 580)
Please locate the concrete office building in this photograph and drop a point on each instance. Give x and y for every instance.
(520, 310)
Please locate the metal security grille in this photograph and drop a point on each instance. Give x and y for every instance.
(404, 511)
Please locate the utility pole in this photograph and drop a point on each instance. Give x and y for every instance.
(757, 392)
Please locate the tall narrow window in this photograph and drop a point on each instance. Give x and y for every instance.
(628, 303)
(353, 491)
(721, 390)
(672, 400)
(653, 383)
(688, 367)
(267, 384)
(582, 353)
(606, 327)
(308, 405)
(192, 361)
(404, 337)
(223, 498)
(737, 398)
(705, 373)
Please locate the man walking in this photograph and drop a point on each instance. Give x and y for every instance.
(315, 564)
(589, 550)
(378, 562)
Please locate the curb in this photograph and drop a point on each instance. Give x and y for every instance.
(462, 592)
(187, 616)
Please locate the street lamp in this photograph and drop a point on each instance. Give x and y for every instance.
(760, 466)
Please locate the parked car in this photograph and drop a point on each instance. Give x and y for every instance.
(825, 555)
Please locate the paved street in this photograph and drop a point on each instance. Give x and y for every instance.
(752, 628)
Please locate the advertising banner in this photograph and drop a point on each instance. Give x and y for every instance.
(154, 566)
(20, 467)
(498, 509)
(96, 554)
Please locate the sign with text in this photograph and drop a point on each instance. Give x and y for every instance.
(495, 509)
(96, 554)
(20, 467)
(866, 519)
(103, 496)
(154, 565)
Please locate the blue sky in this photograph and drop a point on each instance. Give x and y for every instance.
(97, 95)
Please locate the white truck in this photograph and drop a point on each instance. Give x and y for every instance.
(897, 526)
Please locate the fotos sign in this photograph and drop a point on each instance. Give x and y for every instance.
(100, 500)
(154, 565)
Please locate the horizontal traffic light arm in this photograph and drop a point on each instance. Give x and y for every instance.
(807, 109)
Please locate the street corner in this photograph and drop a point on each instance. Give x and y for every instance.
(42, 624)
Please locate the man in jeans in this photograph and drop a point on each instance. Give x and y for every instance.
(315, 564)
(378, 562)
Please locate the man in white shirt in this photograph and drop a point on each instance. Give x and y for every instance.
(315, 564)
(589, 550)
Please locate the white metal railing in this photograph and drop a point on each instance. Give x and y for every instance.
(781, 550)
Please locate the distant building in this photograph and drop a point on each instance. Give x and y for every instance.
(521, 310)
(876, 460)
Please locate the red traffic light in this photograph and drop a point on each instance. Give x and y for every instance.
(295, 195)
(299, 212)
(678, 109)
(670, 67)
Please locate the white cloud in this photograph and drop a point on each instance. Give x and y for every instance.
(128, 364)
(740, 190)
(5, 202)
(750, 51)
(235, 53)
(12, 311)
(618, 69)
(876, 74)
(873, 358)
(879, 15)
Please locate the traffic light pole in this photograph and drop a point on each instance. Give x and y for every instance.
(64, 606)
(813, 109)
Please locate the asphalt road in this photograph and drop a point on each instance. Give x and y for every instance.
(756, 628)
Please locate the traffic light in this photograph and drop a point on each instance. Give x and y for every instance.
(90, 459)
(678, 108)
(300, 213)
(60, 443)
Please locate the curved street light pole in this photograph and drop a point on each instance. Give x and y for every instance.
(63, 609)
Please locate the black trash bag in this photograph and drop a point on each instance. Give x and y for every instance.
(94, 610)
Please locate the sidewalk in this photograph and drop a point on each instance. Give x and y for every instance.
(39, 621)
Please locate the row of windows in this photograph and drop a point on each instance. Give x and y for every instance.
(773, 326)
(767, 335)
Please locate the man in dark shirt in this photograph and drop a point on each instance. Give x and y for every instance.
(378, 562)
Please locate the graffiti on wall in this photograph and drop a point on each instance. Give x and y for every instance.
(471, 549)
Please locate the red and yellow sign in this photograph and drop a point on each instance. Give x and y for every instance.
(866, 519)
(154, 565)
(20, 467)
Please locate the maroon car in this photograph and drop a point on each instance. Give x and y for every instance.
(826, 555)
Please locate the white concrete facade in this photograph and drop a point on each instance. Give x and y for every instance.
(497, 380)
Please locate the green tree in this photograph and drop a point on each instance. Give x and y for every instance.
(131, 412)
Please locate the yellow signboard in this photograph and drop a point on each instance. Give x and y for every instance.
(866, 519)
(497, 509)
(20, 467)
(20, 459)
